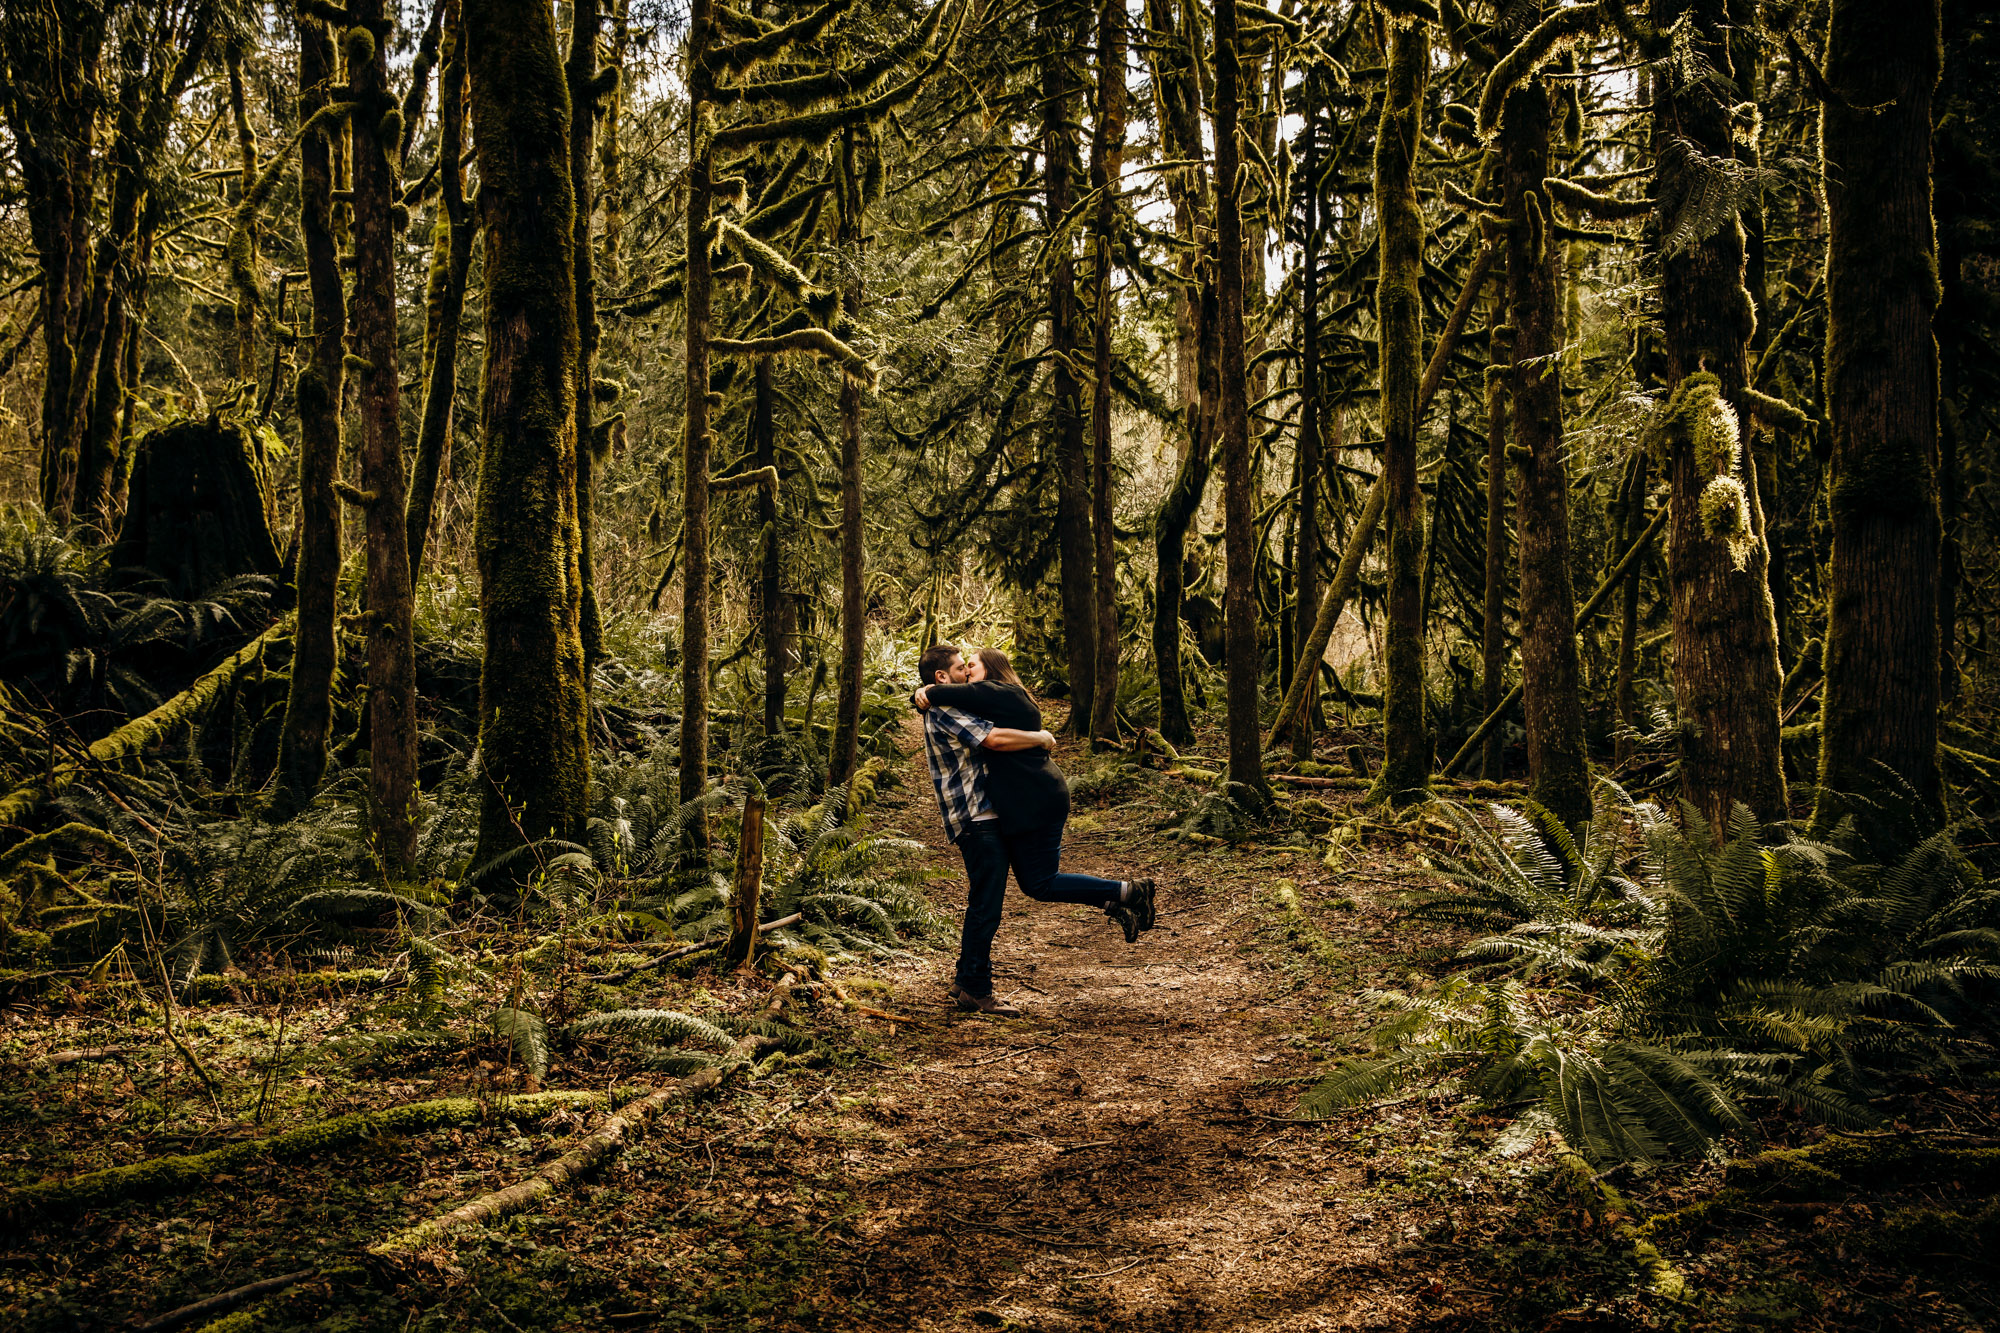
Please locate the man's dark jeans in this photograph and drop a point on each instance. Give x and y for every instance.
(1036, 856)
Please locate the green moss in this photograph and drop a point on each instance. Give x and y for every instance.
(1725, 516)
(1698, 417)
(358, 46)
(172, 1175)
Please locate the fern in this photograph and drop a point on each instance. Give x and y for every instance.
(528, 1035)
(1641, 1014)
(661, 1026)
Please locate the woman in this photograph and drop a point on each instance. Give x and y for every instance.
(1031, 797)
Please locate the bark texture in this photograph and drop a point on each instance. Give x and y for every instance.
(1878, 723)
(1077, 551)
(1107, 163)
(853, 543)
(1726, 674)
(1239, 542)
(532, 707)
(451, 257)
(1406, 735)
(1558, 767)
(302, 738)
(390, 610)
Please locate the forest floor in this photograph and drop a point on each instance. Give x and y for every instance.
(1127, 1154)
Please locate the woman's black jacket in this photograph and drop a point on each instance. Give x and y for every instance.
(1027, 789)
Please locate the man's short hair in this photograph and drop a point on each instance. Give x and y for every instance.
(935, 658)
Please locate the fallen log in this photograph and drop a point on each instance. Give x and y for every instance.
(688, 950)
(590, 1153)
(223, 1302)
(140, 732)
(172, 1175)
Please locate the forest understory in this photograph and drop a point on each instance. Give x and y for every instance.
(1130, 1153)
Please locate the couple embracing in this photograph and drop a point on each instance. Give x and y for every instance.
(1004, 804)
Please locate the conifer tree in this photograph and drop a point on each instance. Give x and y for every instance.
(533, 744)
(1879, 725)
(1406, 730)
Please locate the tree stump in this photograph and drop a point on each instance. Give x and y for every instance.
(195, 516)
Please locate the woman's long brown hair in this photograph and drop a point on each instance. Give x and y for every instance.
(1000, 669)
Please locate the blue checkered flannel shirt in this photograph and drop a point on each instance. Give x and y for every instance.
(958, 771)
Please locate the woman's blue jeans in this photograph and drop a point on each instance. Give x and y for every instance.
(1036, 858)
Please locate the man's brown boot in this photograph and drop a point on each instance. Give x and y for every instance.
(982, 1004)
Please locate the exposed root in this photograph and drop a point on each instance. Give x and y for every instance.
(172, 1175)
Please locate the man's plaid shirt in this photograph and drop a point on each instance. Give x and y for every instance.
(958, 772)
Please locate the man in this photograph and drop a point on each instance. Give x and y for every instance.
(955, 744)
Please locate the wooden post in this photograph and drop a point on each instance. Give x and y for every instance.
(748, 887)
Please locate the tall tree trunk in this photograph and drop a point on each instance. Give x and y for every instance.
(1073, 534)
(581, 74)
(392, 667)
(771, 572)
(246, 151)
(1177, 93)
(1177, 514)
(53, 54)
(1244, 661)
(1306, 562)
(451, 258)
(1107, 163)
(1625, 694)
(309, 699)
(610, 156)
(1493, 627)
(1726, 674)
(853, 549)
(1406, 761)
(1878, 726)
(532, 704)
(695, 440)
(1558, 767)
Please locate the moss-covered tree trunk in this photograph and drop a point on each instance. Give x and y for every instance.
(771, 554)
(1075, 547)
(1177, 93)
(302, 737)
(1406, 734)
(1558, 767)
(853, 537)
(580, 72)
(532, 706)
(694, 433)
(451, 259)
(1239, 542)
(610, 153)
(1625, 690)
(1879, 720)
(1306, 563)
(1107, 163)
(1493, 618)
(53, 56)
(1726, 675)
(392, 669)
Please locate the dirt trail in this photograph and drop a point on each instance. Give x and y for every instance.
(1110, 1159)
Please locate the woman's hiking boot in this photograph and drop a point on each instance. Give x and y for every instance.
(1139, 897)
(1126, 919)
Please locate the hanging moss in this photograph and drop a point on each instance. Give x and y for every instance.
(1725, 516)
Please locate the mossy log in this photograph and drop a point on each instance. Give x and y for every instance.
(140, 732)
(1612, 1208)
(173, 1175)
(589, 1153)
